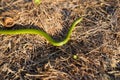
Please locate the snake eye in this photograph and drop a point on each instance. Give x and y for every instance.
(8, 22)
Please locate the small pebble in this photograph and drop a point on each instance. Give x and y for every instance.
(75, 57)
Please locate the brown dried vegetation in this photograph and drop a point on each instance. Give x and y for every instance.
(96, 40)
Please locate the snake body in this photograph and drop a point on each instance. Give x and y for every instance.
(44, 34)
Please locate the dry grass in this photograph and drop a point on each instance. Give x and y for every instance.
(96, 41)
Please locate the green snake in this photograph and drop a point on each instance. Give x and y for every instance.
(44, 34)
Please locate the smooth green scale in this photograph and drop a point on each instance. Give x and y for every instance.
(44, 34)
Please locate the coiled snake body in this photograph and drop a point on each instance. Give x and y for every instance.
(44, 34)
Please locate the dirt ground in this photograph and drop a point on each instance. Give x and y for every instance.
(95, 41)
